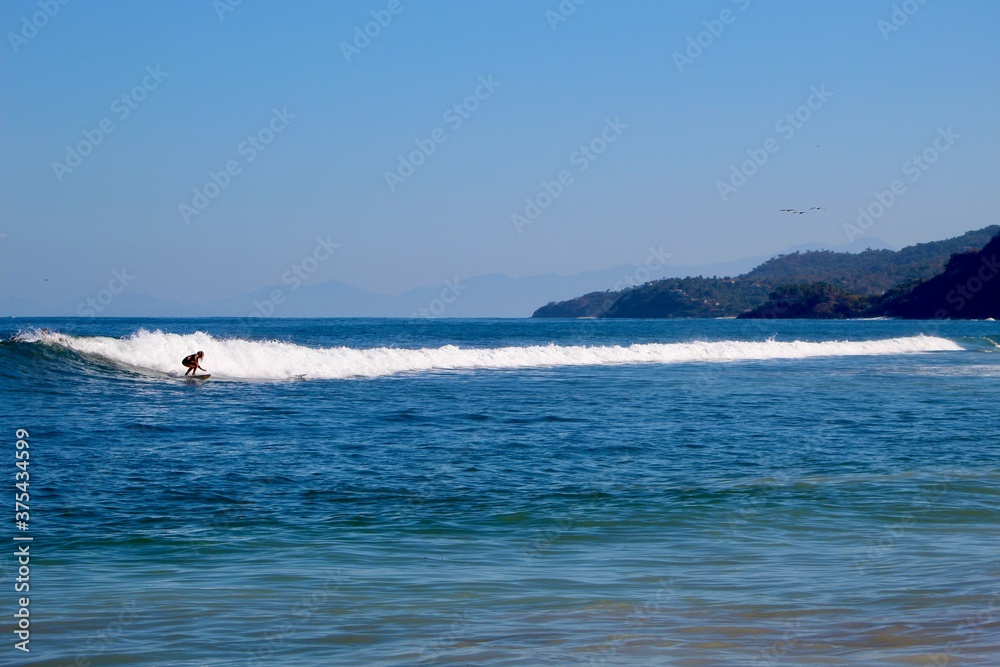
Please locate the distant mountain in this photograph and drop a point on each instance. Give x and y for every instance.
(867, 273)
(491, 295)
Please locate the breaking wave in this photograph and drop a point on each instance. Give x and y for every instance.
(158, 353)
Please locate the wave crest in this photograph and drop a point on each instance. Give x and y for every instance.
(159, 353)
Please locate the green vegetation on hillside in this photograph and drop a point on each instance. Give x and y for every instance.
(813, 300)
(871, 271)
(594, 304)
(689, 297)
(968, 288)
(823, 283)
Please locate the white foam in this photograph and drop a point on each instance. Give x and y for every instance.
(159, 352)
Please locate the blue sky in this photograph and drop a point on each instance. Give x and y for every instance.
(890, 91)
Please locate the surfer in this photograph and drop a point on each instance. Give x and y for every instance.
(191, 362)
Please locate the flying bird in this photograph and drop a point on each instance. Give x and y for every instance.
(792, 210)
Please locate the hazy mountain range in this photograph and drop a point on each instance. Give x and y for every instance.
(490, 295)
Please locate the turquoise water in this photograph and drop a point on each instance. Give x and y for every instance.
(508, 492)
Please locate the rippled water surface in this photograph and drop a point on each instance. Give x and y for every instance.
(509, 492)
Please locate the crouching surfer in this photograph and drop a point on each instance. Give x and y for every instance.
(191, 363)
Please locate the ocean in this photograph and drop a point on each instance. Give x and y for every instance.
(504, 492)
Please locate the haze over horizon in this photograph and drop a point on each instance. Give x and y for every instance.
(209, 148)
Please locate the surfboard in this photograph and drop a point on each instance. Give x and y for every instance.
(198, 377)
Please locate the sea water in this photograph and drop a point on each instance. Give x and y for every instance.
(506, 492)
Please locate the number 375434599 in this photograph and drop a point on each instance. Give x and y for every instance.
(21, 477)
